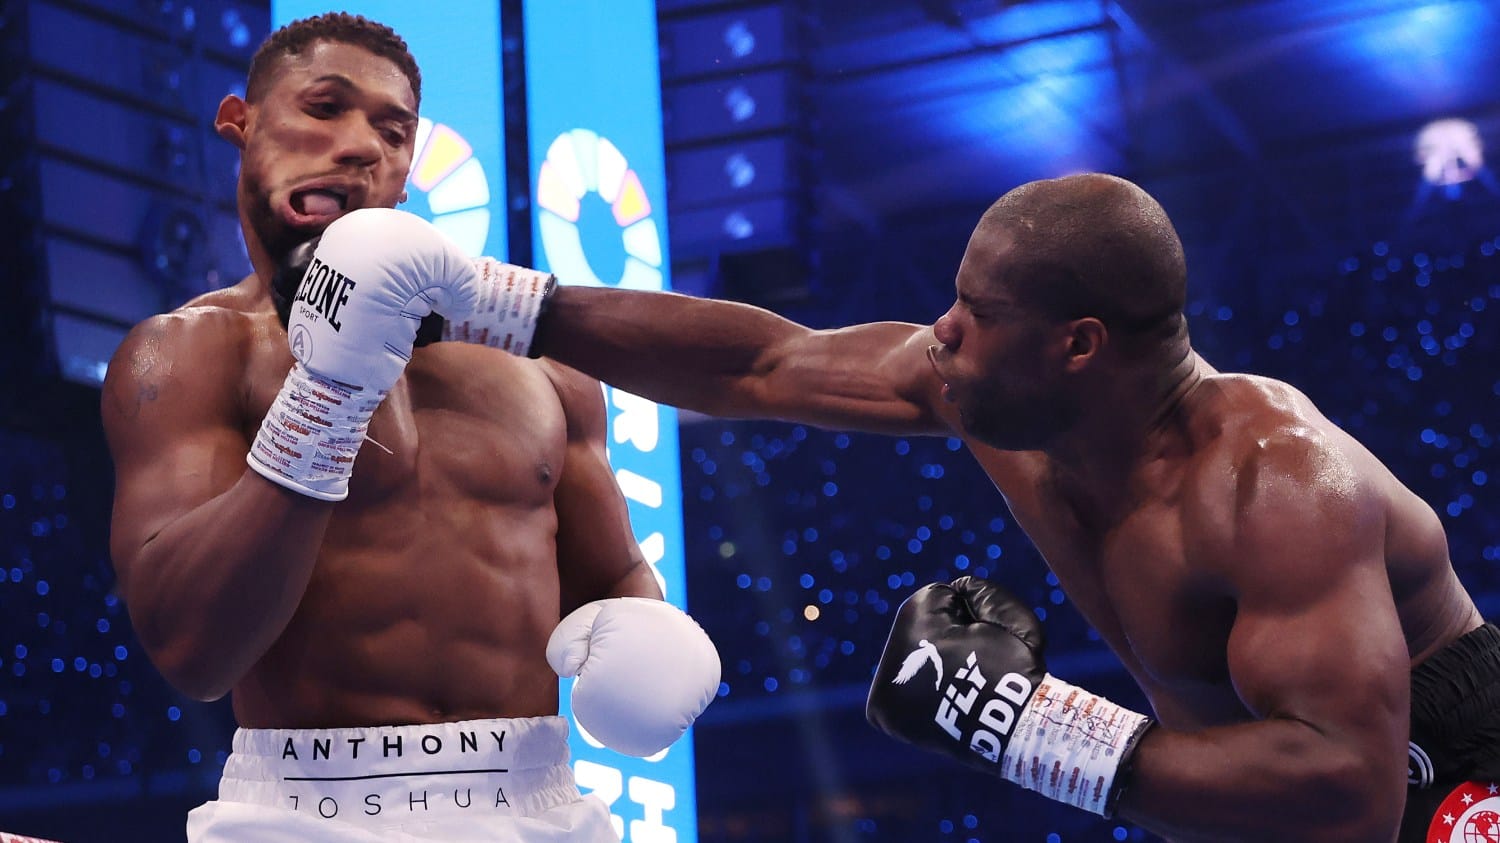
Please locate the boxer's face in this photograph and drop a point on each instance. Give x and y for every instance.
(997, 356)
(335, 131)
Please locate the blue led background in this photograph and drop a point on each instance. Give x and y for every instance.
(826, 159)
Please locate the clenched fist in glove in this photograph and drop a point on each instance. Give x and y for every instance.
(507, 313)
(375, 274)
(963, 674)
(645, 671)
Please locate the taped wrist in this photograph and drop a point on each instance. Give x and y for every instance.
(512, 302)
(312, 433)
(1070, 745)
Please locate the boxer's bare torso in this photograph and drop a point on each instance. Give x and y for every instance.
(1145, 570)
(437, 581)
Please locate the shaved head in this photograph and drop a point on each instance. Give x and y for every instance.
(1092, 245)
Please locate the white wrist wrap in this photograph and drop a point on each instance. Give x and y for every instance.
(510, 306)
(1068, 745)
(311, 434)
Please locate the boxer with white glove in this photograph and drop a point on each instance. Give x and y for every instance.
(963, 674)
(644, 671)
(375, 274)
(507, 314)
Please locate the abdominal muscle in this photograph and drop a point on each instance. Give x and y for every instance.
(408, 619)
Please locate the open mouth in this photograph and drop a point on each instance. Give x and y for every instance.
(316, 206)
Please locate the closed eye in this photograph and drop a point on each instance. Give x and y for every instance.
(324, 108)
(394, 135)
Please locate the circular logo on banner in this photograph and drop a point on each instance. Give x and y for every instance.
(445, 171)
(1469, 814)
(579, 163)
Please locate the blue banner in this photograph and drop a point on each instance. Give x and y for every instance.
(593, 98)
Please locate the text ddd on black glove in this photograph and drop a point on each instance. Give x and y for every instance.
(963, 674)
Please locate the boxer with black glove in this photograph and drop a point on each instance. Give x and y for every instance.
(963, 674)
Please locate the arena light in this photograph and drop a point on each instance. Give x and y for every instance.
(1449, 151)
(739, 39)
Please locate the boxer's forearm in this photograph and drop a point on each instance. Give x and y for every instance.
(211, 591)
(699, 354)
(1269, 780)
(639, 581)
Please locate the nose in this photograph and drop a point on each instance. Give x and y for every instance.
(946, 330)
(359, 143)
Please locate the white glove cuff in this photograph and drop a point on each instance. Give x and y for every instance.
(1068, 745)
(511, 301)
(311, 434)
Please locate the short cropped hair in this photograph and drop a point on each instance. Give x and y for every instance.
(1093, 245)
(339, 27)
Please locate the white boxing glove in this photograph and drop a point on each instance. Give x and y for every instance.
(645, 671)
(376, 272)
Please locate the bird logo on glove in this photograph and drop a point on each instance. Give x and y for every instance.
(913, 662)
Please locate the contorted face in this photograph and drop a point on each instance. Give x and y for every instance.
(334, 131)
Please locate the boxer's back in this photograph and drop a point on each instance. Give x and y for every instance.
(436, 584)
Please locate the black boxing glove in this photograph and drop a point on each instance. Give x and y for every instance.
(963, 674)
(290, 272)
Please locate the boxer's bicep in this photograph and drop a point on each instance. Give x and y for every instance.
(597, 553)
(169, 416)
(1316, 638)
(874, 377)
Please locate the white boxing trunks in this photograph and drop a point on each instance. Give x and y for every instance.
(497, 781)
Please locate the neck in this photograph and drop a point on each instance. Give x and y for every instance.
(1133, 418)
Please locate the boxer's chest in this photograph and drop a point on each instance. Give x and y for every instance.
(462, 421)
(1137, 585)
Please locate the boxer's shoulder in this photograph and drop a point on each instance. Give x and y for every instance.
(1264, 452)
(199, 352)
(1251, 400)
(1242, 422)
(582, 397)
(572, 385)
(195, 336)
(234, 315)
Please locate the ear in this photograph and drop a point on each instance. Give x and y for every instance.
(230, 121)
(1086, 339)
(402, 198)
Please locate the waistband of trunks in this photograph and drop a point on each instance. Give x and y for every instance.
(1455, 704)
(384, 773)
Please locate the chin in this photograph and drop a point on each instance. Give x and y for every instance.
(1011, 428)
